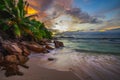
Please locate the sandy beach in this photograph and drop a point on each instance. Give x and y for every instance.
(69, 65)
(36, 72)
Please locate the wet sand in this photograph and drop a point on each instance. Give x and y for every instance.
(35, 72)
(65, 63)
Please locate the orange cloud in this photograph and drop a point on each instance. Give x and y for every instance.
(109, 28)
(31, 11)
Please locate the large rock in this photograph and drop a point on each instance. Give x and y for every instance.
(12, 69)
(25, 50)
(19, 59)
(12, 48)
(61, 44)
(58, 44)
(22, 59)
(49, 47)
(11, 59)
(35, 47)
(45, 41)
(15, 54)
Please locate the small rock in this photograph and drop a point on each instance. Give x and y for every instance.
(51, 59)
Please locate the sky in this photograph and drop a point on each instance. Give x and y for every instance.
(103, 8)
(106, 10)
(82, 15)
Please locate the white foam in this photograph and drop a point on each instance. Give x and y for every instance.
(94, 67)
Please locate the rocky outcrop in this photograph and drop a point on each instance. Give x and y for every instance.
(12, 54)
(58, 44)
(45, 41)
(22, 59)
(35, 47)
(25, 50)
(12, 48)
(11, 59)
(12, 69)
(15, 53)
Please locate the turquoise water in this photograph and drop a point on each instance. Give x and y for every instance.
(86, 57)
(105, 46)
(83, 58)
(102, 42)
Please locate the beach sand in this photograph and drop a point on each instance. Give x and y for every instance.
(84, 66)
(36, 72)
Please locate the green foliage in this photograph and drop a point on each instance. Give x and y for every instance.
(13, 17)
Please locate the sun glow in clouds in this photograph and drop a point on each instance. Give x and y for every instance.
(61, 28)
(31, 11)
(63, 15)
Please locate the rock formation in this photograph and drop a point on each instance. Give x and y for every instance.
(14, 53)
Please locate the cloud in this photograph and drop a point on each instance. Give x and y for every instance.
(112, 23)
(40, 4)
(56, 9)
(84, 16)
(109, 9)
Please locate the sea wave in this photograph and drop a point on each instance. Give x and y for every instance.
(84, 66)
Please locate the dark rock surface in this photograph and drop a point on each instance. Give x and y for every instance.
(15, 53)
(58, 44)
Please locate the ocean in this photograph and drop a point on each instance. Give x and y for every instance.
(91, 42)
(111, 46)
(89, 56)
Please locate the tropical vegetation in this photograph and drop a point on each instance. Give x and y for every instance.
(15, 23)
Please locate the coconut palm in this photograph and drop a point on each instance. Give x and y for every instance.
(13, 18)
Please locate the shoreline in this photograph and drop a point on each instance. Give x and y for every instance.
(35, 72)
(83, 67)
(14, 54)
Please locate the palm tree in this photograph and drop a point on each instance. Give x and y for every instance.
(13, 18)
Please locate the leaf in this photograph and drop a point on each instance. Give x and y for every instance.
(22, 25)
(17, 30)
(5, 27)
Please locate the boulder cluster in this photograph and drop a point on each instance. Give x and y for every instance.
(15, 53)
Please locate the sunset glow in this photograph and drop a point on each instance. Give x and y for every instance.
(60, 40)
(80, 15)
(61, 28)
(31, 11)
